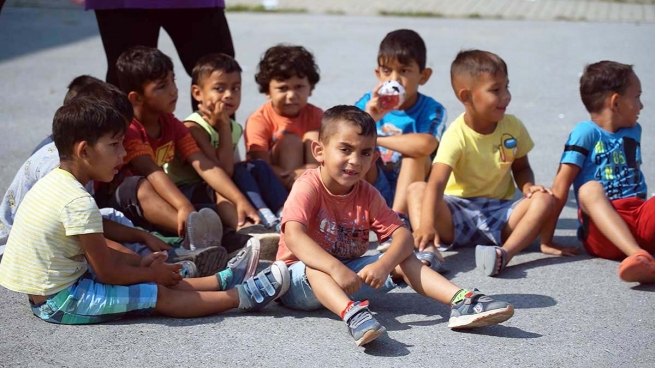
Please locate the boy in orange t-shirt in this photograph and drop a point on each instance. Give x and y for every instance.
(282, 130)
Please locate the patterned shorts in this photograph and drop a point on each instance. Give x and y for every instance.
(89, 301)
(478, 221)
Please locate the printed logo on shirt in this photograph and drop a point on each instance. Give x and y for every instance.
(165, 153)
(507, 147)
(387, 155)
(347, 242)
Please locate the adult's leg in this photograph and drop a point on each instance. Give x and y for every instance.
(122, 29)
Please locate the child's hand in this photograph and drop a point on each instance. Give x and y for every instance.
(425, 236)
(347, 280)
(246, 211)
(166, 274)
(182, 215)
(373, 106)
(536, 188)
(150, 258)
(215, 114)
(373, 275)
(559, 250)
(154, 243)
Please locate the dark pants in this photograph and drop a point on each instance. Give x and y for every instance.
(256, 179)
(195, 33)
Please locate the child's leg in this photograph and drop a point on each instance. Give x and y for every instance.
(415, 195)
(185, 304)
(227, 211)
(307, 140)
(154, 208)
(524, 223)
(327, 291)
(288, 152)
(411, 170)
(271, 188)
(425, 281)
(250, 187)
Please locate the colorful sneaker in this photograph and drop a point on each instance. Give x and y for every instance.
(188, 270)
(208, 260)
(256, 292)
(244, 264)
(269, 240)
(204, 229)
(478, 310)
(363, 327)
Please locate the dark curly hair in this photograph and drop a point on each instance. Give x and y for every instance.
(283, 62)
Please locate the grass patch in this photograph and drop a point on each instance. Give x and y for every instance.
(474, 16)
(417, 14)
(335, 12)
(260, 9)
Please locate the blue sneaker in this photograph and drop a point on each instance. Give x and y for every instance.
(244, 264)
(256, 292)
(363, 327)
(188, 270)
(478, 310)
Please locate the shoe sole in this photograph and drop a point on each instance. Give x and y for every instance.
(213, 227)
(483, 319)
(254, 259)
(370, 336)
(208, 260)
(637, 268)
(281, 273)
(268, 239)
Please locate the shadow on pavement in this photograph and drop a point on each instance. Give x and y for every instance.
(503, 331)
(526, 301)
(386, 347)
(519, 271)
(641, 287)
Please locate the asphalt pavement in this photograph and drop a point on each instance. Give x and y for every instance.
(571, 312)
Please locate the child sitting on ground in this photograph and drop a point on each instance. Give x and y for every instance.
(282, 130)
(325, 231)
(57, 255)
(602, 159)
(468, 199)
(409, 134)
(216, 85)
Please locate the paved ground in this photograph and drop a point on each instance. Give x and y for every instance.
(632, 11)
(569, 311)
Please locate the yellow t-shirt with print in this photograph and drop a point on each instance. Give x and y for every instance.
(43, 254)
(482, 163)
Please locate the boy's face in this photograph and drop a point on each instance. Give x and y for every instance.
(345, 157)
(219, 87)
(160, 96)
(409, 75)
(489, 98)
(628, 105)
(105, 157)
(289, 96)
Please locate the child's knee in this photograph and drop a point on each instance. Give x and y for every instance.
(590, 191)
(546, 201)
(416, 189)
(310, 136)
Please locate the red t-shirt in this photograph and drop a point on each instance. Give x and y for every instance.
(175, 139)
(265, 126)
(339, 224)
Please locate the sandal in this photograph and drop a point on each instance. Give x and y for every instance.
(486, 258)
(639, 267)
(431, 259)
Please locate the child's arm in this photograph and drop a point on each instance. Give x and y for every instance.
(125, 234)
(223, 185)
(524, 177)
(411, 144)
(217, 118)
(164, 186)
(110, 269)
(563, 180)
(312, 255)
(373, 106)
(375, 274)
(433, 196)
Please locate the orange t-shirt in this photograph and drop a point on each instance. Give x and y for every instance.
(339, 224)
(265, 126)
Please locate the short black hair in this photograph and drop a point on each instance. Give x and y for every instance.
(111, 95)
(77, 84)
(139, 65)
(353, 115)
(211, 63)
(473, 63)
(601, 79)
(284, 61)
(84, 119)
(405, 46)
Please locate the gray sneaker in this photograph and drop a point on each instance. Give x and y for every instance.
(204, 229)
(188, 270)
(478, 310)
(363, 327)
(207, 260)
(256, 292)
(244, 264)
(268, 240)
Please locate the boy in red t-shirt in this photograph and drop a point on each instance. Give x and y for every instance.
(282, 130)
(152, 140)
(325, 228)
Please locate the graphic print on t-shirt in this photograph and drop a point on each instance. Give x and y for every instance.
(616, 162)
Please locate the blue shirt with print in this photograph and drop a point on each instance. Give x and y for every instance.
(426, 116)
(613, 159)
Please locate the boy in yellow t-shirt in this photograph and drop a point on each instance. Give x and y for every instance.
(468, 198)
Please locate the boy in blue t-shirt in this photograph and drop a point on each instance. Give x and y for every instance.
(408, 136)
(602, 160)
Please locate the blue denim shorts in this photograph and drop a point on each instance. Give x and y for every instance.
(301, 296)
(386, 182)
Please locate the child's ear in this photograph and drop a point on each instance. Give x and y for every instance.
(196, 93)
(81, 149)
(377, 72)
(317, 151)
(613, 100)
(464, 95)
(425, 76)
(135, 98)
